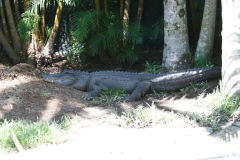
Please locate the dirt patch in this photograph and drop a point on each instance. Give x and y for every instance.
(24, 95)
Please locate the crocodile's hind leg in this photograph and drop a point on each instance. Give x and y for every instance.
(96, 91)
(142, 87)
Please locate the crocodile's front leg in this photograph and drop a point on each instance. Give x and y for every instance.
(95, 92)
(142, 87)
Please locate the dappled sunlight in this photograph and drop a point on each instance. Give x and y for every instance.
(52, 108)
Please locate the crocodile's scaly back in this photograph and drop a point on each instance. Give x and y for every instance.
(177, 80)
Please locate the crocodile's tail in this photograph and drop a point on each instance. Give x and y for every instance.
(178, 80)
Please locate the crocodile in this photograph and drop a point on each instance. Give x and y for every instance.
(133, 83)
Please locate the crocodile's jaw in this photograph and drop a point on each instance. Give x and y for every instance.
(64, 80)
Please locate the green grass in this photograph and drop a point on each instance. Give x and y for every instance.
(31, 134)
(145, 117)
(196, 87)
(108, 96)
(202, 63)
(224, 106)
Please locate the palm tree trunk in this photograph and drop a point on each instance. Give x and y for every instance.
(105, 7)
(231, 47)
(176, 45)
(205, 43)
(126, 20)
(43, 24)
(97, 5)
(195, 22)
(15, 38)
(140, 9)
(48, 49)
(121, 8)
(7, 47)
(5, 30)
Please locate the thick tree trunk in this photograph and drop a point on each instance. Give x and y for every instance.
(11, 23)
(176, 45)
(7, 47)
(140, 9)
(48, 49)
(3, 19)
(231, 47)
(205, 43)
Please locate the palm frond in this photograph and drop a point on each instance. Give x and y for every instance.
(26, 25)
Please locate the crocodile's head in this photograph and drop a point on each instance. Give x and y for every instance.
(67, 77)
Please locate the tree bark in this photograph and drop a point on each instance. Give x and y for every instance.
(42, 37)
(176, 45)
(15, 38)
(140, 9)
(16, 7)
(231, 47)
(7, 47)
(105, 7)
(97, 5)
(121, 8)
(48, 49)
(5, 30)
(205, 43)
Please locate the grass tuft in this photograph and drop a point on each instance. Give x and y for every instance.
(31, 134)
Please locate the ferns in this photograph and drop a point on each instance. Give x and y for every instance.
(99, 32)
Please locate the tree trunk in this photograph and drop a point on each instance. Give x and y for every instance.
(176, 45)
(5, 31)
(15, 38)
(105, 7)
(205, 43)
(121, 8)
(7, 47)
(42, 37)
(126, 20)
(48, 49)
(97, 5)
(231, 47)
(140, 9)
(16, 7)
(195, 23)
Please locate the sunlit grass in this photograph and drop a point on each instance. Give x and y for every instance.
(31, 134)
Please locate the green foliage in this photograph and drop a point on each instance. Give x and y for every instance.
(98, 32)
(224, 106)
(201, 62)
(76, 53)
(158, 30)
(152, 68)
(108, 96)
(46, 95)
(26, 25)
(145, 117)
(204, 120)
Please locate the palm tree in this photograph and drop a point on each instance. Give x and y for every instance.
(176, 45)
(48, 49)
(139, 14)
(205, 43)
(231, 47)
